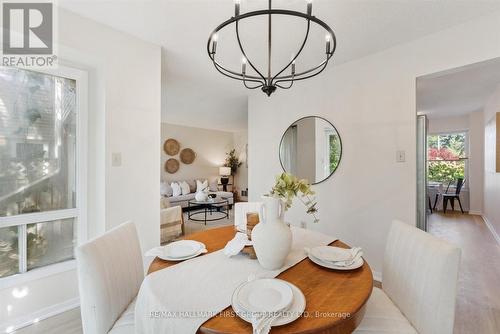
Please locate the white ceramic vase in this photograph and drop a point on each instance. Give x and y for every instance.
(201, 196)
(272, 238)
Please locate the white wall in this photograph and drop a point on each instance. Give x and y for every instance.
(130, 84)
(209, 145)
(476, 162)
(473, 124)
(124, 116)
(491, 178)
(371, 102)
(448, 124)
(240, 143)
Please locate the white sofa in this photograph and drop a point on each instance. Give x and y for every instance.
(183, 200)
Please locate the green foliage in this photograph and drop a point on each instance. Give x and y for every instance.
(232, 161)
(8, 251)
(446, 153)
(334, 152)
(288, 187)
(455, 142)
(445, 171)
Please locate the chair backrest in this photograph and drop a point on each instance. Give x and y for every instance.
(460, 184)
(420, 276)
(448, 187)
(110, 273)
(240, 213)
(164, 203)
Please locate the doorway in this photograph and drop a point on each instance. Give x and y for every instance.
(450, 139)
(454, 108)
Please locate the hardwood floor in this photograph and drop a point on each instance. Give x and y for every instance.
(478, 296)
(68, 322)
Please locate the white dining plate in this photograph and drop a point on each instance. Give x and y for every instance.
(331, 253)
(358, 263)
(292, 313)
(182, 250)
(265, 295)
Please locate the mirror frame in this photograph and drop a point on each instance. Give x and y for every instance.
(340, 140)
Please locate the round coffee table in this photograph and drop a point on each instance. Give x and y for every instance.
(209, 210)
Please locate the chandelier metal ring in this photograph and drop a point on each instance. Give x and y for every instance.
(268, 83)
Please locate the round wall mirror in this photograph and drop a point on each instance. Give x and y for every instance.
(311, 149)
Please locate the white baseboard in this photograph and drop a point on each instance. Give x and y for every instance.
(377, 276)
(475, 213)
(39, 315)
(492, 230)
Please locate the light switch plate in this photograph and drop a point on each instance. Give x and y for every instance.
(400, 156)
(116, 159)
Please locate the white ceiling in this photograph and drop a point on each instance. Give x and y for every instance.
(197, 95)
(458, 91)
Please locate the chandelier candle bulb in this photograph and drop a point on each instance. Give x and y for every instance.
(327, 38)
(293, 67)
(237, 7)
(214, 43)
(243, 65)
(309, 7)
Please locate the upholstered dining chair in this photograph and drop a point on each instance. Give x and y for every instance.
(110, 273)
(240, 213)
(171, 221)
(419, 283)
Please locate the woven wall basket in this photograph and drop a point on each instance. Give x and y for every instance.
(187, 156)
(171, 146)
(172, 166)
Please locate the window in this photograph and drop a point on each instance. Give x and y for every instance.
(334, 148)
(41, 193)
(447, 157)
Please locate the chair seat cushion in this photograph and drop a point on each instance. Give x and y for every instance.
(382, 316)
(125, 323)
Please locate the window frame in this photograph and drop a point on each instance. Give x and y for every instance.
(80, 210)
(467, 153)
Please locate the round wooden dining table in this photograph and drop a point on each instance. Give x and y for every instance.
(335, 300)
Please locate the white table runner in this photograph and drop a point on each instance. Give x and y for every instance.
(180, 298)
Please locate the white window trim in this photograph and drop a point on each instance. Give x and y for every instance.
(465, 187)
(37, 273)
(81, 78)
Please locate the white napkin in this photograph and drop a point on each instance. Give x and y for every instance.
(157, 251)
(160, 251)
(340, 257)
(235, 245)
(262, 322)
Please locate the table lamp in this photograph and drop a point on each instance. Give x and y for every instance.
(224, 172)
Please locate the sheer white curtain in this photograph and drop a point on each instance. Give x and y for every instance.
(289, 150)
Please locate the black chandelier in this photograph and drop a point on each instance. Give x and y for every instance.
(268, 83)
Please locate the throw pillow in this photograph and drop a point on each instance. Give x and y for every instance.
(176, 189)
(201, 186)
(165, 189)
(213, 185)
(185, 188)
(192, 185)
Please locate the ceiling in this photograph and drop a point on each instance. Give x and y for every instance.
(197, 95)
(458, 91)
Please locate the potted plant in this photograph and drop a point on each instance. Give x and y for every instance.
(272, 239)
(232, 161)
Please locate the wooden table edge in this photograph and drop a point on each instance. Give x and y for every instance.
(326, 329)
